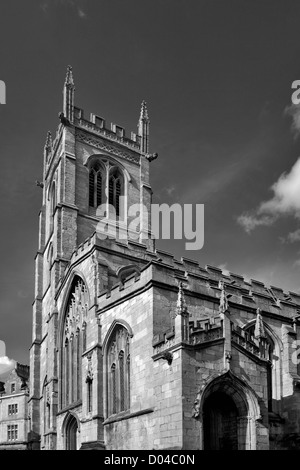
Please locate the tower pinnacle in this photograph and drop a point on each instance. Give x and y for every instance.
(48, 143)
(69, 77)
(144, 112)
(48, 147)
(181, 304)
(143, 128)
(259, 331)
(68, 96)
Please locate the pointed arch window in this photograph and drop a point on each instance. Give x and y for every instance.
(74, 332)
(114, 388)
(128, 378)
(95, 185)
(115, 190)
(89, 384)
(118, 367)
(122, 380)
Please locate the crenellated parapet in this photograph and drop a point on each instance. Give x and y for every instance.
(114, 133)
(203, 331)
(250, 294)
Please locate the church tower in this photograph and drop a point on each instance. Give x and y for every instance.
(89, 237)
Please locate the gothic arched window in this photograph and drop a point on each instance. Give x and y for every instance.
(115, 190)
(73, 339)
(95, 185)
(118, 370)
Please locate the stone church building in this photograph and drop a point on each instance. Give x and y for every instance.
(133, 349)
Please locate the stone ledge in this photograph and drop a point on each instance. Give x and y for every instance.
(69, 407)
(126, 415)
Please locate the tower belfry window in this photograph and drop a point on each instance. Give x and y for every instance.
(115, 190)
(95, 186)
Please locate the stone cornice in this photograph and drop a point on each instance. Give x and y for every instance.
(99, 143)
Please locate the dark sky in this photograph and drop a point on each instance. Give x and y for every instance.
(216, 75)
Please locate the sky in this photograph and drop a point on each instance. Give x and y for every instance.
(217, 78)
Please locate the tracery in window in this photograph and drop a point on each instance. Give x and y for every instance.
(95, 185)
(118, 370)
(115, 190)
(72, 343)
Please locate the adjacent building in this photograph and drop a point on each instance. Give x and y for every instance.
(14, 418)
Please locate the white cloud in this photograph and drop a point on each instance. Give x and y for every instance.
(249, 221)
(6, 365)
(170, 190)
(286, 200)
(81, 13)
(5, 361)
(223, 266)
(292, 237)
(74, 4)
(2, 348)
(294, 111)
(21, 294)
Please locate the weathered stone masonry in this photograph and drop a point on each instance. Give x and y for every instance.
(133, 349)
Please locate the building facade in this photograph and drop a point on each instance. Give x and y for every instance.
(133, 349)
(14, 418)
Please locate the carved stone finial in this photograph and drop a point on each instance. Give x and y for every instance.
(181, 307)
(144, 112)
(69, 77)
(48, 143)
(259, 331)
(143, 129)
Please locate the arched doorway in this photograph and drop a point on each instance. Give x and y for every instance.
(228, 411)
(220, 422)
(71, 433)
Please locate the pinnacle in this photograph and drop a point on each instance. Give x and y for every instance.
(48, 143)
(144, 112)
(181, 305)
(259, 331)
(69, 76)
